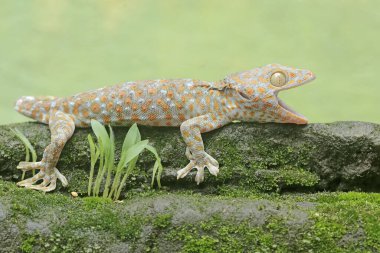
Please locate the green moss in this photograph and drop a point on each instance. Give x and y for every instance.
(91, 203)
(162, 220)
(334, 222)
(27, 244)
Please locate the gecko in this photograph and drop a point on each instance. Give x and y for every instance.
(194, 106)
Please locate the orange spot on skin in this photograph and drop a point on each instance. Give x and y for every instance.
(261, 89)
(216, 106)
(191, 107)
(122, 95)
(128, 101)
(151, 91)
(85, 113)
(181, 117)
(168, 116)
(179, 106)
(109, 106)
(197, 138)
(40, 117)
(164, 106)
(186, 134)
(250, 91)
(199, 148)
(181, 88)
(66, 108)
(170, 94)
(292, 75)
(75, 111)
(135, 118)
(106, 119)
(144, 107)
(208, 100)
(262, 79)
(95, 108)
(168, 123)
(119, 109)
(76, 107)
(34, 113)
(103, 99)
(152, 117)
(91, 96)
(47, 106)
(135, 107)
(139, 93)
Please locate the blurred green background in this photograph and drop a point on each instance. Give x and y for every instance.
(65, 47)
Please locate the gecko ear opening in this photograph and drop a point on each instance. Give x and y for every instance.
(244, 95)
(235, 83)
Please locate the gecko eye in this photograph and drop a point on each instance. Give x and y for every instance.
(278, 79)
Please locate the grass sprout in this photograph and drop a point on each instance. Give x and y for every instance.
(103, 154)
(29, 150)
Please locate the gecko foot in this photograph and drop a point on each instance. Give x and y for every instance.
(48, 177)
(200, 163)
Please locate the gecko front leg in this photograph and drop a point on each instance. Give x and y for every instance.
(61, 128)
(191, 132)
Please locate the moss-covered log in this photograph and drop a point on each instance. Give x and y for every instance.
(157, 221)
(265, 157)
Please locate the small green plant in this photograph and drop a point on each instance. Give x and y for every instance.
(29, 150)
(103, 154)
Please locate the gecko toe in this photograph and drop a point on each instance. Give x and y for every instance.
(183, 172)
(26, 166)
(49, 182)
(61, 177)
(200, 176)
(200, 164)
(214, 170)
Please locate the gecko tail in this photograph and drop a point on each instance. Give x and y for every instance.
(37, 108)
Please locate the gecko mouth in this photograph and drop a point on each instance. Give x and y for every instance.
(292, 111)
(297, 117)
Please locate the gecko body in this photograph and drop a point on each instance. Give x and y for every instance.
(194, 106)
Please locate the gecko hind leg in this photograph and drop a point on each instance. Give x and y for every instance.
(61, 127)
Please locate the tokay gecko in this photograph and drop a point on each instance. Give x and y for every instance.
(194, 106)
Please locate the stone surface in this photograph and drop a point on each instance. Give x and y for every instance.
(268, 157)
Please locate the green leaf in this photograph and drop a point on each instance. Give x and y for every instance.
(131, 137)
(26, 142)
(130, 168)
(157, 168)
(135, 150)
(94, 152)
(100, 132)
(110, 162)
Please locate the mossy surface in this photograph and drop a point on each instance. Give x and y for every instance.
(161, 221)
(266, 198)
(260, 157)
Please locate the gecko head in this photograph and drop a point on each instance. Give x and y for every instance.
(260, 88)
